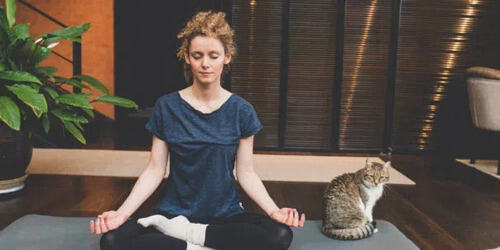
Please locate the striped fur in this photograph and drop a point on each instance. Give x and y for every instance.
(351, 233)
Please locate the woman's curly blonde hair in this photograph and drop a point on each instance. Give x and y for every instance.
(209, 24)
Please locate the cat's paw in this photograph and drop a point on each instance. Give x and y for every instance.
(374, 224)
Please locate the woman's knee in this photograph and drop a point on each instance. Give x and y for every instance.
(120, 237)
(280, 237)
(110, 241)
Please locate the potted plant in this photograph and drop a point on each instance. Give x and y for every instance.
(32, 96)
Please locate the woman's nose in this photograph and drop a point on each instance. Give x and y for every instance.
(204, 62)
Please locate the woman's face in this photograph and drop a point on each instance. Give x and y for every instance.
(206, 58)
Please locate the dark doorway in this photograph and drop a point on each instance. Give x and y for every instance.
(146, 66)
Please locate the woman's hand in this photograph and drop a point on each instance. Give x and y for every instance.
(107, 221)
(288, 216)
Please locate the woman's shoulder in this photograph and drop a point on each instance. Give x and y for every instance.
(241, 102)
(167, 98)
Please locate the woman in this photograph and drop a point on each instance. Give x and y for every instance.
(204, 129)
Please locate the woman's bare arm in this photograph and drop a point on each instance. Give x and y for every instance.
(253, 186)
(248, 178)
(149, 179)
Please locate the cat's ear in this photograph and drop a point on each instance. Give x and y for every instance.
(368, 162)
(387, 164)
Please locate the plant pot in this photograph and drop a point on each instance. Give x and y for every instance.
(16, 150)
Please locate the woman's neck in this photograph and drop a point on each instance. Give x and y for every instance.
(206, 93)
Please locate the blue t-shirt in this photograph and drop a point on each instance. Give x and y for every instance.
(202, 146)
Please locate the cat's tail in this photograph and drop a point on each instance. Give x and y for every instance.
(350, 233)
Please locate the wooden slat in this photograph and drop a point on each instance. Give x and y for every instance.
(311, 66)
(366, 60)
(256, 71)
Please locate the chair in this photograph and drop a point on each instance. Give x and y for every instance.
(483, 87)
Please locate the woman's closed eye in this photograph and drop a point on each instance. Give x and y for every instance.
(199, 57)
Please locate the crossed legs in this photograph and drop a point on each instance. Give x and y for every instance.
(242, 231)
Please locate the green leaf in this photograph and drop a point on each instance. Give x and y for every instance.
(89, 112)
(52, 92)
(9, 113)
(92, 81)
(71, 82)
(47, 70)
(3, 19)
(78, 125)
(19, 76)
(118, 101)
(21, 88)
(46, 123)
(71, 32)
(77, 100)
(22, 31)
(78, 40)
(10, 6)
(74, 131)
(4, 31)
(31, 97)
(38, 113)
(35, 87)
(58, 38)
(51, 39)
(21, 51)
(11, 64)
(68, 115)
(40, 54)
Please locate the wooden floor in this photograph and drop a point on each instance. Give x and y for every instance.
(451, 207)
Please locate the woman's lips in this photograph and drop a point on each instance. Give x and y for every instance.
(205, 73)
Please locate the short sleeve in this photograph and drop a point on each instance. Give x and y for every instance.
(155, 123)
(250, 124)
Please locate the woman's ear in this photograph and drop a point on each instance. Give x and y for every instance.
(186, 58)
(227, 58)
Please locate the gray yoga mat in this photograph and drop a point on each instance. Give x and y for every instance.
(388, 237)
(37, 232)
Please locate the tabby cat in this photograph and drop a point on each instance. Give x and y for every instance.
(349, 200)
